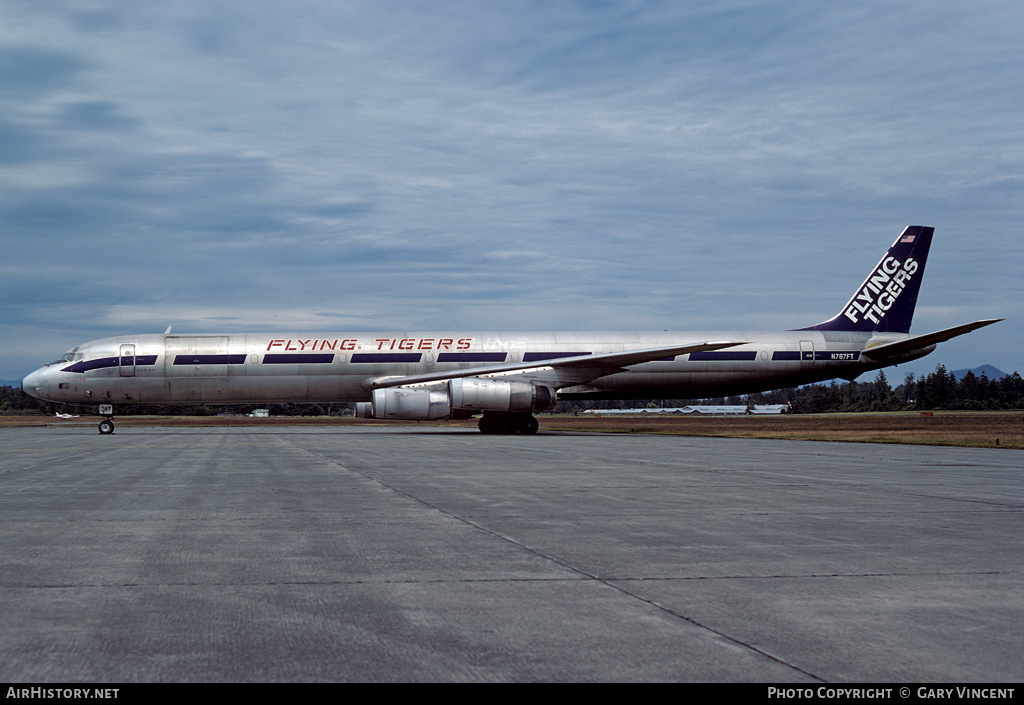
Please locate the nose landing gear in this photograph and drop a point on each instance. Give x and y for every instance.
(107, 424)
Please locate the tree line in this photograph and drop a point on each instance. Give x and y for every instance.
(939, 390)
(936, 391)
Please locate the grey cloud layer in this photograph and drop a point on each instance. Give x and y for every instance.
(566, 165)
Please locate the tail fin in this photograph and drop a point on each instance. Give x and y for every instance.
(885, 301)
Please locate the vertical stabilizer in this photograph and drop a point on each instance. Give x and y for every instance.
(886, 300)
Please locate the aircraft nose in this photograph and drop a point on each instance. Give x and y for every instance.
(33, 384)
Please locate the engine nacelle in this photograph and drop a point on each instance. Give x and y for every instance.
(408, 404)
(459, 399)
(499, 395)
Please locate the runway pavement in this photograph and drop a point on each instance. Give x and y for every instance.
(423, 554)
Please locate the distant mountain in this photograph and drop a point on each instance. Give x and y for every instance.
(989, 371)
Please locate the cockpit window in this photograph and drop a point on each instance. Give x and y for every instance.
(70, 356)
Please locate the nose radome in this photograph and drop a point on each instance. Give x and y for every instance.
(30, 385)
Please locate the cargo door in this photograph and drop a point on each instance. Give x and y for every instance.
(198, 368)
(197, 356)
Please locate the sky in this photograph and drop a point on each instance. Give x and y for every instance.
(510, 165)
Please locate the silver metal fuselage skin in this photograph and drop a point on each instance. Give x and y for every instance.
(335, 367)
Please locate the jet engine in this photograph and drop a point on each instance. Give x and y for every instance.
(499, 395)
(406, 404)
(456, 398)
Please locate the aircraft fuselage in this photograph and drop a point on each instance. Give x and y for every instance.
(241, 368)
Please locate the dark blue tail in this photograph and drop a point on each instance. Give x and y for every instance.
(885, 301)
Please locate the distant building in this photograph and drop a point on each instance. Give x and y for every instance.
(260, 413)
(732, 410)
(708, 410)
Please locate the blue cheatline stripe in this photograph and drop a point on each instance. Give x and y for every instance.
(209, 359)
(300, 358)
(723, 356)
(472, 357)
(387, 357)
(820, 355)
(98, 363)
(537, 356)
(101, 362)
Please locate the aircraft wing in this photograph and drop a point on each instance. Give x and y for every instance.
(565, 370)
(917, 342)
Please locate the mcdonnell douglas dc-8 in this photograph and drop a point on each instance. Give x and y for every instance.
(506, 377)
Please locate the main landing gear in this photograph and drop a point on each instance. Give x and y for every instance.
(107, 424)
(502, 423)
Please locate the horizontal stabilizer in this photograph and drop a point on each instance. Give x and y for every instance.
(917, 342)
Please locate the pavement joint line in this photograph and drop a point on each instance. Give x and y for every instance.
(586, 576)
(719, 633)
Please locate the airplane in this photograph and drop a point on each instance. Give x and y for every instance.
(506, 377)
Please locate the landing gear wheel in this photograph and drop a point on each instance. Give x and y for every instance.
(489, 424)
(106, 426)
(529, 426)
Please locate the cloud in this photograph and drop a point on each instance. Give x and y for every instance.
(29, 72)
(520, 166)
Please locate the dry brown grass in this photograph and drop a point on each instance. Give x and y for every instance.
(975, 429)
